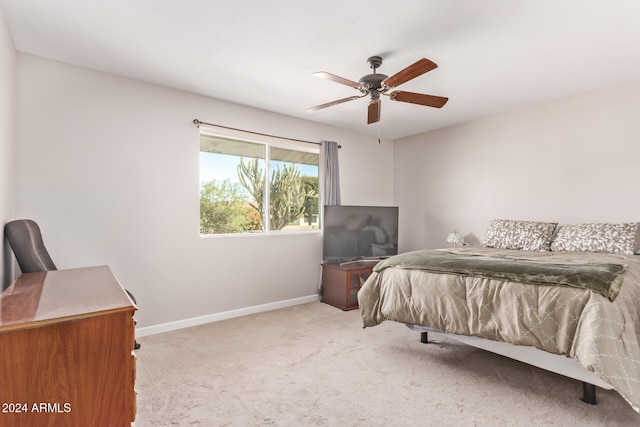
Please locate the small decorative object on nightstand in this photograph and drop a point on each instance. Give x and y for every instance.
(341, 283)
(455, 239)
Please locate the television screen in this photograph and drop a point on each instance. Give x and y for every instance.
(352, 233)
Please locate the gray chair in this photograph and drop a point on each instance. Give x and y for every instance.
(25, 239)
(26, 242)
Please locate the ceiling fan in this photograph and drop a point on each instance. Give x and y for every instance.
(376, 84)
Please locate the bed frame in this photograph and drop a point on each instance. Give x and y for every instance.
(556, 363)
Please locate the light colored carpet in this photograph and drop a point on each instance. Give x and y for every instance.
(314, 365)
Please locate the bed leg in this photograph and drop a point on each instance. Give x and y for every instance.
(424, 337)
(589, 393)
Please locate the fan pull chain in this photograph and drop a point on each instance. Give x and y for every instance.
(378, 133)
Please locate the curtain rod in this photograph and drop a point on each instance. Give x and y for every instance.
(198, 123)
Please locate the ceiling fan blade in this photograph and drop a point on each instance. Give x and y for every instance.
(337, 79)
(332, 103)
(419, 98)
(373, 114)
(412, 71)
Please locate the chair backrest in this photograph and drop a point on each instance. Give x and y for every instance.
(26, 242)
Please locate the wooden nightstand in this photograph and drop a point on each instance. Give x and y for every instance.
(340, 283)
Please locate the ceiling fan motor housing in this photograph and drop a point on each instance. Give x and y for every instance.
(373, 81)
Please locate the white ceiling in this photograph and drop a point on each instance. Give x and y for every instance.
(493, 55)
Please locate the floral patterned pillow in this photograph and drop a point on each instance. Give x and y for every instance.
(523, 235)
(611, 238)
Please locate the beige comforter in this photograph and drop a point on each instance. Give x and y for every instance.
(601, 335)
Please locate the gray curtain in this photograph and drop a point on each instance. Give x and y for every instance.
(331, 173)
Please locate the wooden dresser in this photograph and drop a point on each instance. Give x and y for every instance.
(66, 350)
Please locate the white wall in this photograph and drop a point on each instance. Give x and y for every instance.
(109, 169)
(8, 136)
(572, 160)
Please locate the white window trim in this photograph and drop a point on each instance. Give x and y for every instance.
(268, 142)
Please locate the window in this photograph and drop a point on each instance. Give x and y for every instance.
(235, 187)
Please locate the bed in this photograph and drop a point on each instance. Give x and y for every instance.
(565, 299)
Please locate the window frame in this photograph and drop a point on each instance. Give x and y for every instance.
(268, 142)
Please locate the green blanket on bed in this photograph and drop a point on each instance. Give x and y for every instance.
(605, 279)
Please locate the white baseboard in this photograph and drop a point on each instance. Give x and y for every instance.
(215, 317)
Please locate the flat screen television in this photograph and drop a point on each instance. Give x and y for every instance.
(352, 233)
